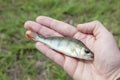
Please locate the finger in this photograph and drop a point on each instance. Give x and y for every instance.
(94, 28)
(79, 70)
(40, 29)
(59, 26)
(56, 57)
(70, 65)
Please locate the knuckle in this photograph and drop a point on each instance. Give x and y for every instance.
(53, 23)
(97, 22)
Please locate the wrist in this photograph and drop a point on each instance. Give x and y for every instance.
(117, 75)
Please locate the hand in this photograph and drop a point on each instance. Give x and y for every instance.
(106, 64)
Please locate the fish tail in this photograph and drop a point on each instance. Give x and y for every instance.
(33, 36)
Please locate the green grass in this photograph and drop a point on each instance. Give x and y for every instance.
(18, 57)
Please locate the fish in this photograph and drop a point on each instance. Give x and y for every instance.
(66, 45)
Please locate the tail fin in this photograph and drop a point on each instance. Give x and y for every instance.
(32, 35)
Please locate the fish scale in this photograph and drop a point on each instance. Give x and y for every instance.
(68, 46)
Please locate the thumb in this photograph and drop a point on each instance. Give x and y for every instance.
(93, 28)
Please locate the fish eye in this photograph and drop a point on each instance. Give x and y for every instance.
(87, 51)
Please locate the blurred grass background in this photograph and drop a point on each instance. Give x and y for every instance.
(19, 60)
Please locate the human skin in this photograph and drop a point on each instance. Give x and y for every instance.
(106, 63)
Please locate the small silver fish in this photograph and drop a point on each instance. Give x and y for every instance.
(68, 46)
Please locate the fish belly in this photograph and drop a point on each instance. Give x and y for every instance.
(64, 46)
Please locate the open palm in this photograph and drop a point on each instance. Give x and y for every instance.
(93, 35)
